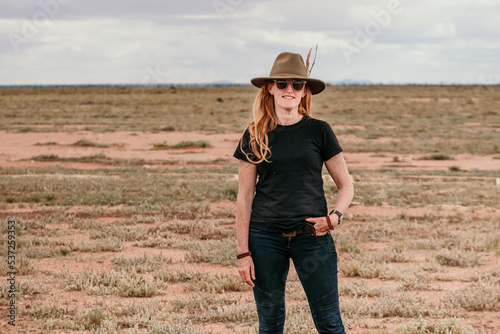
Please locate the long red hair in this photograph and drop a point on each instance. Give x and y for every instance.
(265, 120)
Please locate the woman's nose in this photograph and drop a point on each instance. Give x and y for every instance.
(289, 87)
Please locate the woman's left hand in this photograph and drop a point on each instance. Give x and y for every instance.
(321, 225)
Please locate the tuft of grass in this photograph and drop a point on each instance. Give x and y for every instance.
(161, 145)
(212, 251)
(120, 283)
(482, 296)
(347, 243)
(141, 264)
(458, 258)
(443, 326)
(109, 244)
(168, 128)
(24, 265)
(25, 129)
(88, 143)
(93, 319)
(211, 230)
(202, 281)
(156, 327)
(183, 144)
(43, 311)
(390, 255)
(362, 289)
(94, 158)
(45, 157)
(225, 309)
(167, 241)
(35, 252)
(437, 156)
(137, 286)
(24, 289)
(452, 326)
(187, 144)
(415, 281)
(402, 306)
(363, 269)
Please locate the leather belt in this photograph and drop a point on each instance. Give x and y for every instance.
(308, 228)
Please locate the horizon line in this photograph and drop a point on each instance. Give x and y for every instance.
(223, 83)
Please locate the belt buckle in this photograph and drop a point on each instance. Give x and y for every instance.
(290, 234)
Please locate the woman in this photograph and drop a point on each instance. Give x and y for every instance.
(281, 207)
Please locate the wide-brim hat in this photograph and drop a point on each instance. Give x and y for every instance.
(290, 66)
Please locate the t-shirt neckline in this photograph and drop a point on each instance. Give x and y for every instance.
(294, 124)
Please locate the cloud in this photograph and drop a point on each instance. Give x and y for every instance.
(203, 41)
(85, 9)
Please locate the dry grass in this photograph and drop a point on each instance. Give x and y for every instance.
(124, 249)
(121, 283)
(438, 122)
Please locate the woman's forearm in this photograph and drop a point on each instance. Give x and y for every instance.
(344, 198)
(337, 168)
(243, 212)
(247, 174)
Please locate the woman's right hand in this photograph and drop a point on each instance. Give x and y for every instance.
(247, 270)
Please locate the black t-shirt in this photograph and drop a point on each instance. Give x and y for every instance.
(290, 188)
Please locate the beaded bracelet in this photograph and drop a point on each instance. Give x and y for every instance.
(242, 255)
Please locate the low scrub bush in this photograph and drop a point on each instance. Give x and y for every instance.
(482, 296)
(458, 258)
(120, 283)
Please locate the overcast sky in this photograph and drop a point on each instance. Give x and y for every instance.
(204, 41)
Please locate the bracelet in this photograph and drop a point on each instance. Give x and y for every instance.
(242, 255)
(329, 222)
(338, 213)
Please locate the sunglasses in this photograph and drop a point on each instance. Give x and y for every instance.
(296, 84)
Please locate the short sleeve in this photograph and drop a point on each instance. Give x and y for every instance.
(243, 146)
(331, 146)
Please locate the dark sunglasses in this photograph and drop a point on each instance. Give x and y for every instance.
(296, 84)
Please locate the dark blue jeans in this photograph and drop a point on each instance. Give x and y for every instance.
(315, 261)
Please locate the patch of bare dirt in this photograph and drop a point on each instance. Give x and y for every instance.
(18, 149)
(414, 162)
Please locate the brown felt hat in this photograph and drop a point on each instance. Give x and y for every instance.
(290, 66)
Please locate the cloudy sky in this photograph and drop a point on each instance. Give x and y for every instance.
(204, 41)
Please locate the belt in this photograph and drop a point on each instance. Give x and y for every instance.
(308, 228)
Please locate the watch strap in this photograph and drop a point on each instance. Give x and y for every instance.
(338, 213)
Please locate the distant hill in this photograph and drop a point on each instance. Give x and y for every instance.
(222, 83)
(349, 82)
(343, 82)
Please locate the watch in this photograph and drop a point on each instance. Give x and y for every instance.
(338, 213)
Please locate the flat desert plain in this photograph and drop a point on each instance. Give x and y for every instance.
(122, 202)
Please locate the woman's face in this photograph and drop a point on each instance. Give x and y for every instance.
(288, 98)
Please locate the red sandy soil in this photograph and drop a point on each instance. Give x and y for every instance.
(17, 149)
